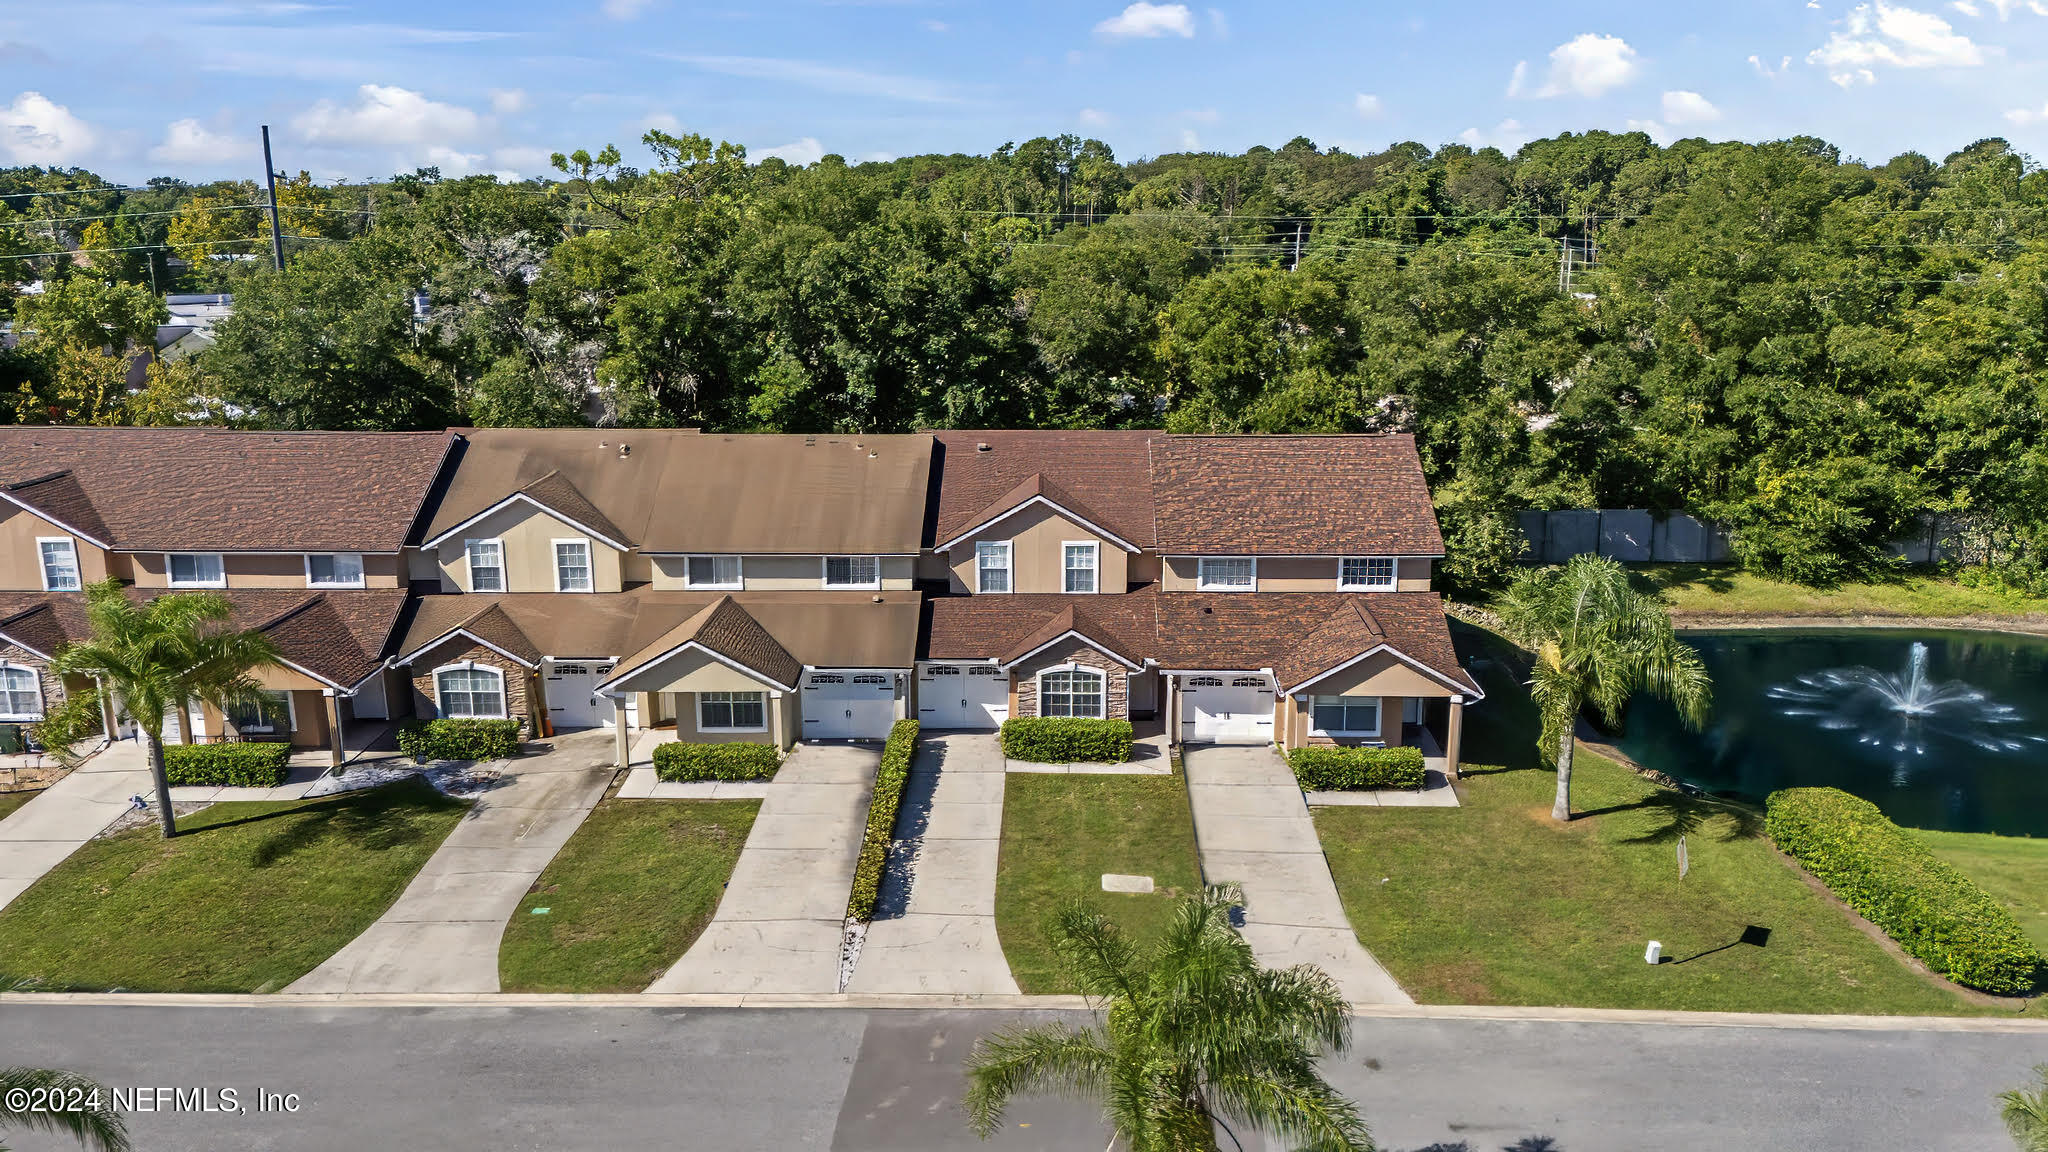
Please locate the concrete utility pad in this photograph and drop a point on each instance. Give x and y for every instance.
(1115, 882)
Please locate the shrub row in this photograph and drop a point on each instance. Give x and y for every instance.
(1356, 769)
(451, 739)
(677, 762)
(1067, 740)
(1935, 912)
(874, 848)
(227, 765)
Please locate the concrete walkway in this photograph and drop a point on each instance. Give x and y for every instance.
(1253, 828)
(37, 836)
(935, 931)
(781, 921)
(442, 933)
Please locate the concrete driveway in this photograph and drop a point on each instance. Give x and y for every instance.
(1253, 828)
(935, 930)
(780, 924)
(37, 836)
(442, 934)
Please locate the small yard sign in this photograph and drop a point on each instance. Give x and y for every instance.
(1684, 861)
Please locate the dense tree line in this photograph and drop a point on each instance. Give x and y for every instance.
(1817, 352)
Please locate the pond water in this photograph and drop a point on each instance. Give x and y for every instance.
(1944, 730)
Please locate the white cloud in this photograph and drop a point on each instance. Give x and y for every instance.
(1190, 141)
(1517, 78)
(1203, 115)
(1763, 69)
(190, 143)
(386, 115)
(625, 9)
(452, 162)
(1093, 118)
(1369, 106)
(507, 101)
(1508, 135)
(1689, 108)
(1589, 65)
(2026, 116)
(1219, 24)
(1882, 34)
(1143, 20)
(520, 161)
(823, 77)
(799, 152)
(1651, 128)
(664, 122)
(938, 26)
(36, 130)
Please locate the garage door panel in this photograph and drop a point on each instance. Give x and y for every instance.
(1227, 710)
(571, 691)
(848, 706)
(971, 696)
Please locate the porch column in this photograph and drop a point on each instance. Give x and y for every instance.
(622, 740)
(1172, 710)
(1454, 737)
(775, 721)
(334, 753)
(109, 725)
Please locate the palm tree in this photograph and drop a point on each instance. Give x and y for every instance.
(2026, 1113)
(98, 1126)
(157, 656)
(1598, 640)
(1194, 1035)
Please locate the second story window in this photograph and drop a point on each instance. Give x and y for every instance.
(992, 566)
(853, 572)
(334, 570)
(1079, 565)
(196, 570)
(486, 565)
(60, 564)
(1366, 574)
(1226, 574)
(713, 572)
(572, 566)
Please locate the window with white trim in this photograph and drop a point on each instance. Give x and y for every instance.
(21, 693)
(1347, 716)
(1078, 563)
(486, 565)
(1070, 692)
(334, 570)
(471, 691)
(262, 714)
(60, 564)
(712, 572)
(1366, 574)
(1226, 573)
(572, 566)
(992, 566)
(732, 711)
(195, 570)
(853, 572)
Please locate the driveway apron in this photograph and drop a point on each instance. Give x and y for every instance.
(1253, 829)
(442, 934)
(941, 937)
(783, 917)
(37, 836)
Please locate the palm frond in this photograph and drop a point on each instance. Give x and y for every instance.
(1095, 949)
(100, 1127)
(1050, 1058)
(2026, 1113)
(1308, 1114)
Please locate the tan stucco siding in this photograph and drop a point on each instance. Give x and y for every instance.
(781, 573)
(266, 570)
(1297, 573)
(691, 671)
(529, 537)
(780, 714)
(1381, 674)
(1177, 573)
(1415, 574)
(21, 558)
(1297, 720)
(1038, 538)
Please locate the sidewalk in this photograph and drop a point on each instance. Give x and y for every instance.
(782, 920)
(1253, 828)
(939, 936)
(37, 836)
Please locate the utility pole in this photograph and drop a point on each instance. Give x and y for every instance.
(1564, 266)
(270, 182)
(1297, 247)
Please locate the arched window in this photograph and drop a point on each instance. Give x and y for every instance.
(470, 690)
(1070, 692)
(21, 693)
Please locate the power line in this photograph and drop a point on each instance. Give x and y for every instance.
(161, 247)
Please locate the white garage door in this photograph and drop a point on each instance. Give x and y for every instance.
(973, 696)
(848, 705)
(573, 701)
(1226, 710)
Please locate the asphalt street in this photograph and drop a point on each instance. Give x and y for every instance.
(582, 1077)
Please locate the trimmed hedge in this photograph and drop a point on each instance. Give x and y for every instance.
(1067, 740)
(455, 739)
(676, 762)
(1935, 912)
(227, 765)
(1321, 769)
(874, 847)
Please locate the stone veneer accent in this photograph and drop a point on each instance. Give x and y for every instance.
(1116, 702)
(457, 651)
(53, 686)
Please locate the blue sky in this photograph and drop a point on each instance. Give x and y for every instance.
(368, 88)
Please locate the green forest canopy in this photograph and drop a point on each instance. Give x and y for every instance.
(1815, 352)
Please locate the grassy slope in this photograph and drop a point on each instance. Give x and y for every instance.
(249, 898)
(626, 897)
(1062, 833)
(1697, 590)
(9, 801)
(1495, 903)
(2012, 868)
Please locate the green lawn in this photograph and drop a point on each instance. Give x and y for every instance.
(248, 899)
(1061, 833)
(1494, 903)
(625, 897)
(1701, 590)
(9, 801)
(2012, 868)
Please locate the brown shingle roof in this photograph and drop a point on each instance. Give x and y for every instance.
(555, 491)
(1005, 628)
(1292, 495)
(727, 629)
(44, 624)
(203, 489)
(1101, 475)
